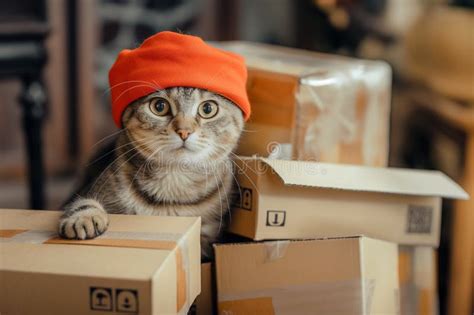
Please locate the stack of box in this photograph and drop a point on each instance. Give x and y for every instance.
(322, 238)
(328, 234)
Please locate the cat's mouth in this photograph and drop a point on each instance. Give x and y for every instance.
(185, 147)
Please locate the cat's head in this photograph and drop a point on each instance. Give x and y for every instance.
(184, 124)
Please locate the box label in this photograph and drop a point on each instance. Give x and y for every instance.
(420, 219)
(244, 199)
(276, 218)
(126, 301)
(102, 299)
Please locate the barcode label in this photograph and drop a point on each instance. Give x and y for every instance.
(420, 219)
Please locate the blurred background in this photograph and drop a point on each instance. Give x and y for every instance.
(55, 56)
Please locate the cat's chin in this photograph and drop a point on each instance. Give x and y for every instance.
(187, 154)
(190, 150)
(184, 150)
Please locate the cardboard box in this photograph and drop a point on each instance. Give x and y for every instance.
(353, 275)
(205, 302)
(141, 265)
(294, 199)
(312, 106)
(418, 280)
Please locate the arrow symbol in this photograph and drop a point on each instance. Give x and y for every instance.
(275, 221)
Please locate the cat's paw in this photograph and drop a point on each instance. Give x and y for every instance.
(83, 219)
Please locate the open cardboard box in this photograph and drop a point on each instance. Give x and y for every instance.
(345, 276)
(142, 264)
(321, 107)
(282, 199)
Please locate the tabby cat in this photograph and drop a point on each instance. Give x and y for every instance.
(172, 157)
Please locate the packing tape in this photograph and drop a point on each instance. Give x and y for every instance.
(10, 233)
(26, 236)
(160, 241)
(184, 280)
(275, 250)
(349, 297)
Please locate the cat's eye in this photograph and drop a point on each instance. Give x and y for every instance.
(160, 106)
(208, 109)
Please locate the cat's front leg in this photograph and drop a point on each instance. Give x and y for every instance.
(83, 219)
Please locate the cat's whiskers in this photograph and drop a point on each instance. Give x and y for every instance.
(148, 160)
(234, 156)
(115, 149)
(211, 166)
(238, 158)
(245, 130)
(105, 181)
(131, 88)
(134, 147)
(220, 201)
(242, 170)
(226, 196)
(107, 137)
(238, 187)
(249, 179)
(150, 84)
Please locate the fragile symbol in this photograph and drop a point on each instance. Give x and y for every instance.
(126, 301)
(276, 218)
(101, 299)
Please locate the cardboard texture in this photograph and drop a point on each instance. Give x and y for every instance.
(141, 265)
(205, 302)
(327, 108)
(282, 199)
(353, 275)
(418, 280)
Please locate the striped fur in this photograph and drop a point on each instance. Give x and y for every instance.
(149, 172)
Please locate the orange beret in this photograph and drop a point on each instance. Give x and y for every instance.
(169, 59)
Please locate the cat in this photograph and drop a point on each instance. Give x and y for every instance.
(173, 157)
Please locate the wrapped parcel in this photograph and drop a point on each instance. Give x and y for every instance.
(311, 106)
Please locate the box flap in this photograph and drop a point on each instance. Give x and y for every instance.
(363, 178)
(243, 243)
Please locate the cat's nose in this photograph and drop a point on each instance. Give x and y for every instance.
(184, 133)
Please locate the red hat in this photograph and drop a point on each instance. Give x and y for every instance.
(169, 59)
